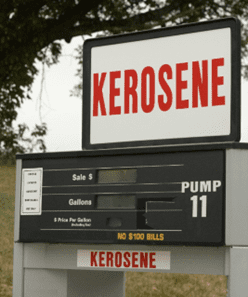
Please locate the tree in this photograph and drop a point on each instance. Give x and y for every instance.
(32, 30)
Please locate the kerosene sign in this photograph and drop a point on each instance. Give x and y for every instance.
(167, 86)
(161, 183)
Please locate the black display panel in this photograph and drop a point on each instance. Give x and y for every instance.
(149, 198)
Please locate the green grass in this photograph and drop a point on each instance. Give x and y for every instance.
(7, 206)
(138, 284)
(149, 284)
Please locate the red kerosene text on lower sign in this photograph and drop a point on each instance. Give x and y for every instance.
(126, 259)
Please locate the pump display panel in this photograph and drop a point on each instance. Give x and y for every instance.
(150, 198)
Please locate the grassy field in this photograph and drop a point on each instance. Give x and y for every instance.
(7, 206)
(149, 284)
(138, 284)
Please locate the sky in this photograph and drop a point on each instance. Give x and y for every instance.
(63, 113)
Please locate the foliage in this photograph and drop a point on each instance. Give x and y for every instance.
(32, 30)
(19, 141)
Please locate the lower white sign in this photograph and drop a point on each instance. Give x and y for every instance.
(124, 259)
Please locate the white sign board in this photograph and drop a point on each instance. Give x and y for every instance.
(176, 88)
(124, 259)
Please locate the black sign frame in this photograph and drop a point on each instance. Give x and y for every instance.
(232, 23)
(58, 179)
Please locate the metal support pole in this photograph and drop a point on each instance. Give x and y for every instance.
(238, 276)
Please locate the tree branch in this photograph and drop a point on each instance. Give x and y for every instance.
(66, 22)
(89, 25)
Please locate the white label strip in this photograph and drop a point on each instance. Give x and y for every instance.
(31, 196)
(124, 259)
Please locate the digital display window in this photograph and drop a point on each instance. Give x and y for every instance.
(116, 202)
(115, 176)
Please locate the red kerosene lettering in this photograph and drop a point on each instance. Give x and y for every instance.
(147, 99)
(118, 259)
(126, 256)
(98, 95)
(217, 81)
(101, 259)
(143, 260)
(126, 259)
(152, 260)
(93, 259)
(200, 83)
(113, 92)
(130, 90)
(109, 261)
(180, 85)
(134, 260)
(162, 105)
(147, 106)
